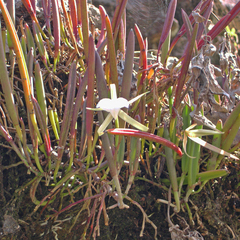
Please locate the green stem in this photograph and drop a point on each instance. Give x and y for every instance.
(172, 171)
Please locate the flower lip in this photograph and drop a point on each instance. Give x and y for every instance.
(113, 106)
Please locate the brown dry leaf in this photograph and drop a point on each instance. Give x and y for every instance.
(230, 69)
(197, 17)
(205, 82)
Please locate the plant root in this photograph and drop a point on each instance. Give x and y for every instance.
(145, 218)
(176, 232)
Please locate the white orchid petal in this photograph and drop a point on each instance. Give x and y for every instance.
(114, 112)
(120, 103)
(103, 103)
(113, 105)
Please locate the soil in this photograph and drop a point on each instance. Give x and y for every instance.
(215, 210)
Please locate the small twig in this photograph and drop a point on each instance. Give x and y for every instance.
(91, 216)
(105, 215)
(168, 209)
(166, 202)
(12, 165)
(4, 118)
(97, 227)
(234, 236)
(3, 199)
(148, 163)
(145, 217)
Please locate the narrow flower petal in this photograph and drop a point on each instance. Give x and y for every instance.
(202, 132)
(104, 125)
(94, 109)
(190, 132)
(113, 91)
(211, 147)
(185, 145)
(137, 97)
(191, 127)
(132, 121)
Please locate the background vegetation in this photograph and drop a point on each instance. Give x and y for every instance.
(102, 142)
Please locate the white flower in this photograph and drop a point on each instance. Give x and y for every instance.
(113, 106)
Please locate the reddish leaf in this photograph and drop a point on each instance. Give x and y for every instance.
(147, 136)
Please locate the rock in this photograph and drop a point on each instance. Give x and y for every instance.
(10, 225)
(148, 15)
(22, 12)
(221, 8)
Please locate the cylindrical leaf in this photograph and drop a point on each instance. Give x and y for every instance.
(112, 54)
(128, 66)
(147, 136)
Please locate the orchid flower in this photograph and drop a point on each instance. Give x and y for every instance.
(113, 106)
(194, 136)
